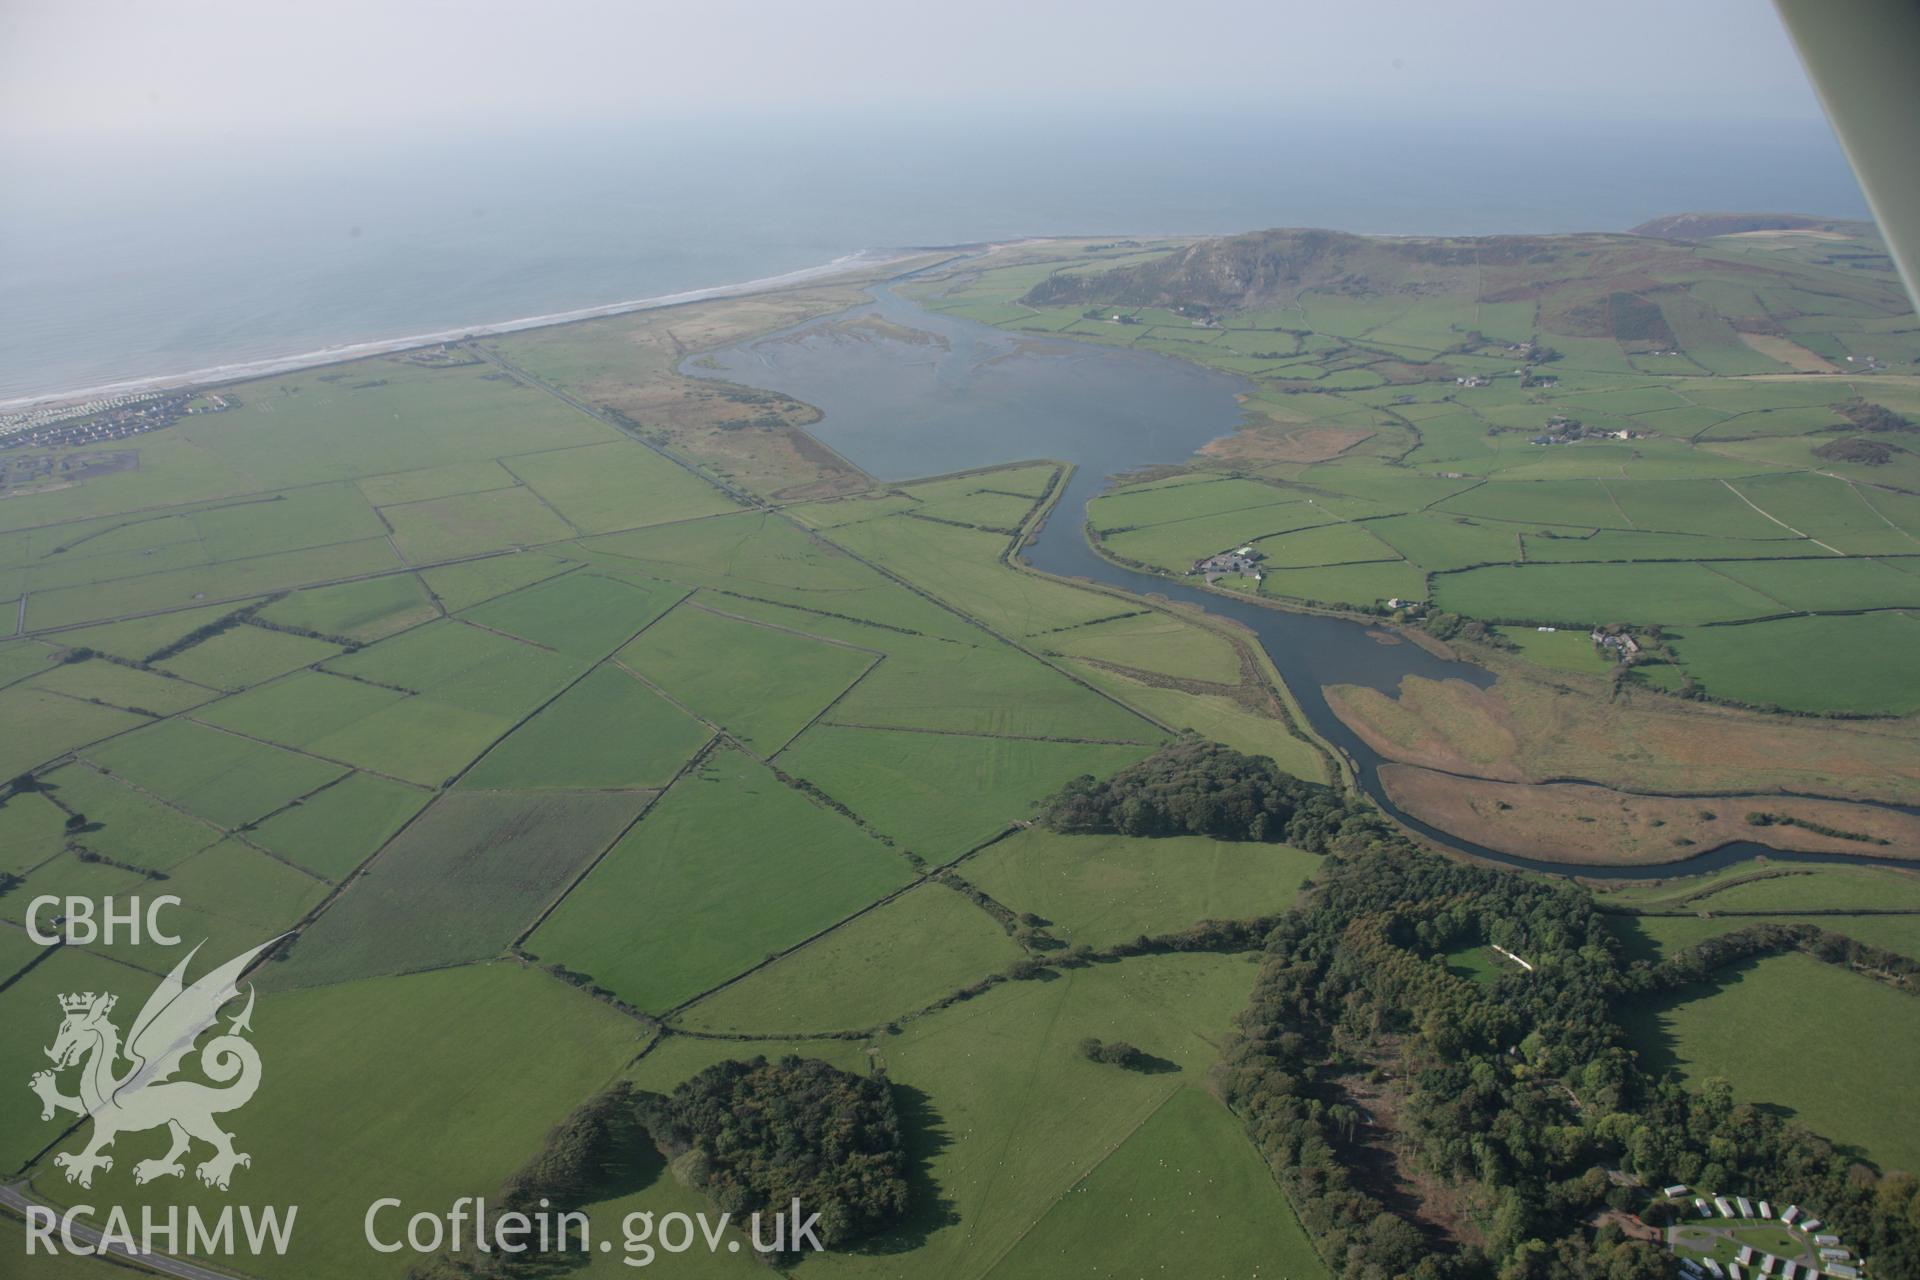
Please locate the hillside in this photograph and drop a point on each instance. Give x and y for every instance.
(1245, 271)
(1538, 432)
(1567, 273)
(1653, 295)
(1262, 267)
(1705, 226)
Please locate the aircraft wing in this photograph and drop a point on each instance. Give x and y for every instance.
(1863, 57)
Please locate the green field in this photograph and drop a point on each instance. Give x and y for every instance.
(1102, 890)
(763, 557)
(66, 874)
(45, 725)
(146, 692)
(231, 582)
(302, 709)
(967, 503)
(1877, 906)
(1824, 887)
(1655, 936)
(940, 794)
(1860, 662)
(1600, 593)
(1221, 718)
(1793, 1032)
(58, 1266)
(404, 1057)
(962, 568)
(464, 880)
(218, 776)
(1175, 545)
(729, 867)
(1479, 963)
(1448, 542)
(607, 731)
(1182, 499)
(1197, 1202)
(457, 690)
(138, 638)
(1685, 493)
(233, 897)
(1826, 585)
(123, 822)
(470, 582)
(984, 689)
(840, 512)
(476, 475)
(604, 487)
(872, 970)
(1030, 480)
(572, 752)
(1013, 1127)
(1562, 648)
(245, 656)
(1332, 544)
(33, 829)
(333, 831)
(1153, 641)
(1018, 1118)
(582, 615)
(415, 768)
(1367, 585)
(794, 677)
(32, 1003)
(447, 528)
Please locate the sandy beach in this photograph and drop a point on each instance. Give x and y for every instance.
(214, 374)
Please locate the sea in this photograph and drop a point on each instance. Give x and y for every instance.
(135, 260)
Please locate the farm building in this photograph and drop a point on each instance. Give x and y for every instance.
(1242, 560)
(1624, 647)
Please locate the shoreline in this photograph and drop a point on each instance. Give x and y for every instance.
(267, 366)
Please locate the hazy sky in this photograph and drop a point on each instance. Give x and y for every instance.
(181, 68)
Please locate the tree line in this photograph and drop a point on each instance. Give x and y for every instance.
(759, 1134)
(1191, 786)
(753, 1135)
(1521, 1096)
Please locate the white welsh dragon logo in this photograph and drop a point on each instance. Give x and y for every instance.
(144, 1097)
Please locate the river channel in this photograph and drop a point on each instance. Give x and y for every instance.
(907, 392)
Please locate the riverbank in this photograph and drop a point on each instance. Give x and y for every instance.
(979, 396)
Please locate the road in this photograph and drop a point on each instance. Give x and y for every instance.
(12, 1197)
(1782, 523)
